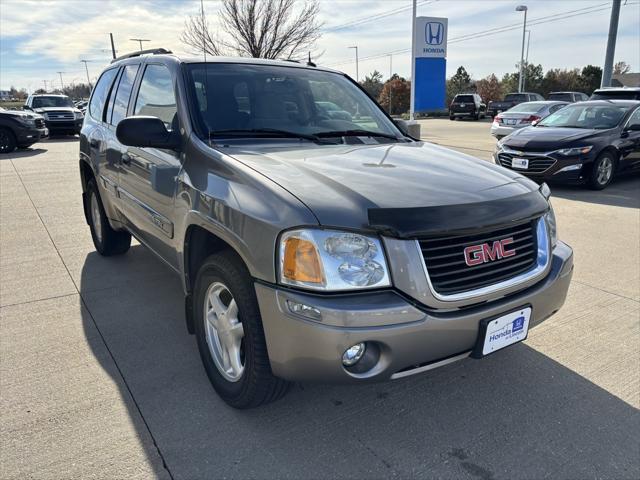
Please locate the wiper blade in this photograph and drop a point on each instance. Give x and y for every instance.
(264, 132)
(356, 133)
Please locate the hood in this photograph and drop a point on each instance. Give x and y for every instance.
(341, 184)
(55, 109)
(20, 114)
(547, 138)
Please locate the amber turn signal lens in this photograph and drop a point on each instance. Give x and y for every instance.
(301, 261)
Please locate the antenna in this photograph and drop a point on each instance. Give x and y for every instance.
(309, 62)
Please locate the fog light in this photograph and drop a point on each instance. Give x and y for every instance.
(353, 354)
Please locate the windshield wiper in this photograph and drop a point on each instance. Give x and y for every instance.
(266, 132)
(355, 133)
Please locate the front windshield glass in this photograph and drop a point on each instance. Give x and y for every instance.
(248, 100)
(43, 102)
(586, 116)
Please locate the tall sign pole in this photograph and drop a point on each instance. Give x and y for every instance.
(413, 60)
(611, 45)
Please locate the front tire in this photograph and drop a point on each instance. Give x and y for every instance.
(230, 335)
(602, 171)
(106, 240)
(7, 140)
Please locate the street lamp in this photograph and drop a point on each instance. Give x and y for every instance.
(522, 8)
(356, 48)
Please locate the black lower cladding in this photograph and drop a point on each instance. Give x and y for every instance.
(447, 265)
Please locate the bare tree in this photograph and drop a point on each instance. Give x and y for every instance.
(621, 67)
(257, 28)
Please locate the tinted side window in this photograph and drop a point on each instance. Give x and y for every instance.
(156, 96)
(100, 93)
(122, 95)
(634, 119)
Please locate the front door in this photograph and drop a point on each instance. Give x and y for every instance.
(147, 183)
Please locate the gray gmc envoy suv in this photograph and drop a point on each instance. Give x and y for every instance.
(312, 246)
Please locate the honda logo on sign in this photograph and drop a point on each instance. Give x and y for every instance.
(434, 33)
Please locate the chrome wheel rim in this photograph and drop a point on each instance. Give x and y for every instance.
(224, 331)
(605, 169)
(95, 217)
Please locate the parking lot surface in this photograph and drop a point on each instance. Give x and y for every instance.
(99, 378)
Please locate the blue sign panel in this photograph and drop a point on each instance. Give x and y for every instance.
(430, 86)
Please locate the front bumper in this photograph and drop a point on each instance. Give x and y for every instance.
(563, 170)
(75, 125)
(410, 337)
(30, 135)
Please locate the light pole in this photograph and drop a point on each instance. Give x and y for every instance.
(390, 77)
(611, 44)
(139, 40)
(61, 84)
(87, 69)
(357, 76)
(413, 60)
(522, 8)
(526, 57)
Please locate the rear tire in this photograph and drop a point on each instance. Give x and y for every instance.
(246, 381)
(602, 171)
(107, 241)
(7, 140)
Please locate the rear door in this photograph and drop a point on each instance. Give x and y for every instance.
(147, 180)
(630, 142)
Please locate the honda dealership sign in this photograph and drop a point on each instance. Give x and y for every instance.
(429, 55)
(431, 37)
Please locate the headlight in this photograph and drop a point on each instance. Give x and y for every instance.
(28, 121)
(78, 115)
(568, 152)
(550, 216)
(332, 260)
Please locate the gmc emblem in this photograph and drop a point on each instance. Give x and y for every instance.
(478, 254)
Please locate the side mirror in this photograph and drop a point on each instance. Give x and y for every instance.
(634, 127)
(146, 132)
(26, 107)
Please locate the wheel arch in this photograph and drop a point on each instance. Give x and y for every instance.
(86, 174)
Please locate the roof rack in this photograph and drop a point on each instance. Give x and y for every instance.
(151, 51)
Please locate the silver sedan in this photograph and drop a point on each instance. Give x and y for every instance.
(522, 115)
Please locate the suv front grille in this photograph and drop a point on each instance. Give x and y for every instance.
(55, 116)
(537, 164)
(449, 273)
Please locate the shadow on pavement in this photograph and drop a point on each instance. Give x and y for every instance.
(624, 191)
(516, 414)
(23, 153)
(61, 138)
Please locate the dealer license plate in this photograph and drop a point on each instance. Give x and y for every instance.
(506, 330)
(521, 163)
(510, 122)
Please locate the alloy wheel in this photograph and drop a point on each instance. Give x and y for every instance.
(95, 217)
(605, 170)
(224, 331)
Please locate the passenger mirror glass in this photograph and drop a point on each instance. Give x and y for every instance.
(146, 132)
(634, 127)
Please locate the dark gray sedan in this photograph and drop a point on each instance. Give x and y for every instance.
(523, 115)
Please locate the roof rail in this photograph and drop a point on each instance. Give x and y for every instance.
(151, 51)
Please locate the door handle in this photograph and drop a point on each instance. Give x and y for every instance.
(126, 159)
(94, 143)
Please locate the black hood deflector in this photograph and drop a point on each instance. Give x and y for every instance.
(462, 218)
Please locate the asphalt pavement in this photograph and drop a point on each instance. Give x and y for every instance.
(99, 378)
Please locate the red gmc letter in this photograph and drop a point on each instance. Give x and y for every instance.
(473, 255)
(505, 242)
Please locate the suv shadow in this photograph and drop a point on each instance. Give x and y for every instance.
(514, 414)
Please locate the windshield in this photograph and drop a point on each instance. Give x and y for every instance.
(561, 97)
(616, 94)
(586, 116)
(255, 100)
(41, 102)
(528, 107)
(515, 97)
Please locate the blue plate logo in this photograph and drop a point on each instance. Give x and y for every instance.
(517, 324)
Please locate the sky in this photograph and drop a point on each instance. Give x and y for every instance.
(39, 38)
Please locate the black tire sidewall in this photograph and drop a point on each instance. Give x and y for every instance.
(92, 189)
(221, 268)
(12, 145)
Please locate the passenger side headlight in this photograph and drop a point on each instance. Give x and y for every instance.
(331, 260)
(550, 216)
(78, 115)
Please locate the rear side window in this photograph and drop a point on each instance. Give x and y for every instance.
(100, 93)
(123, 94)
(156, 96)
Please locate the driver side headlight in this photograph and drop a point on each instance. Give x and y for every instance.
(78, 115)
(569, 152)
(330, 260)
